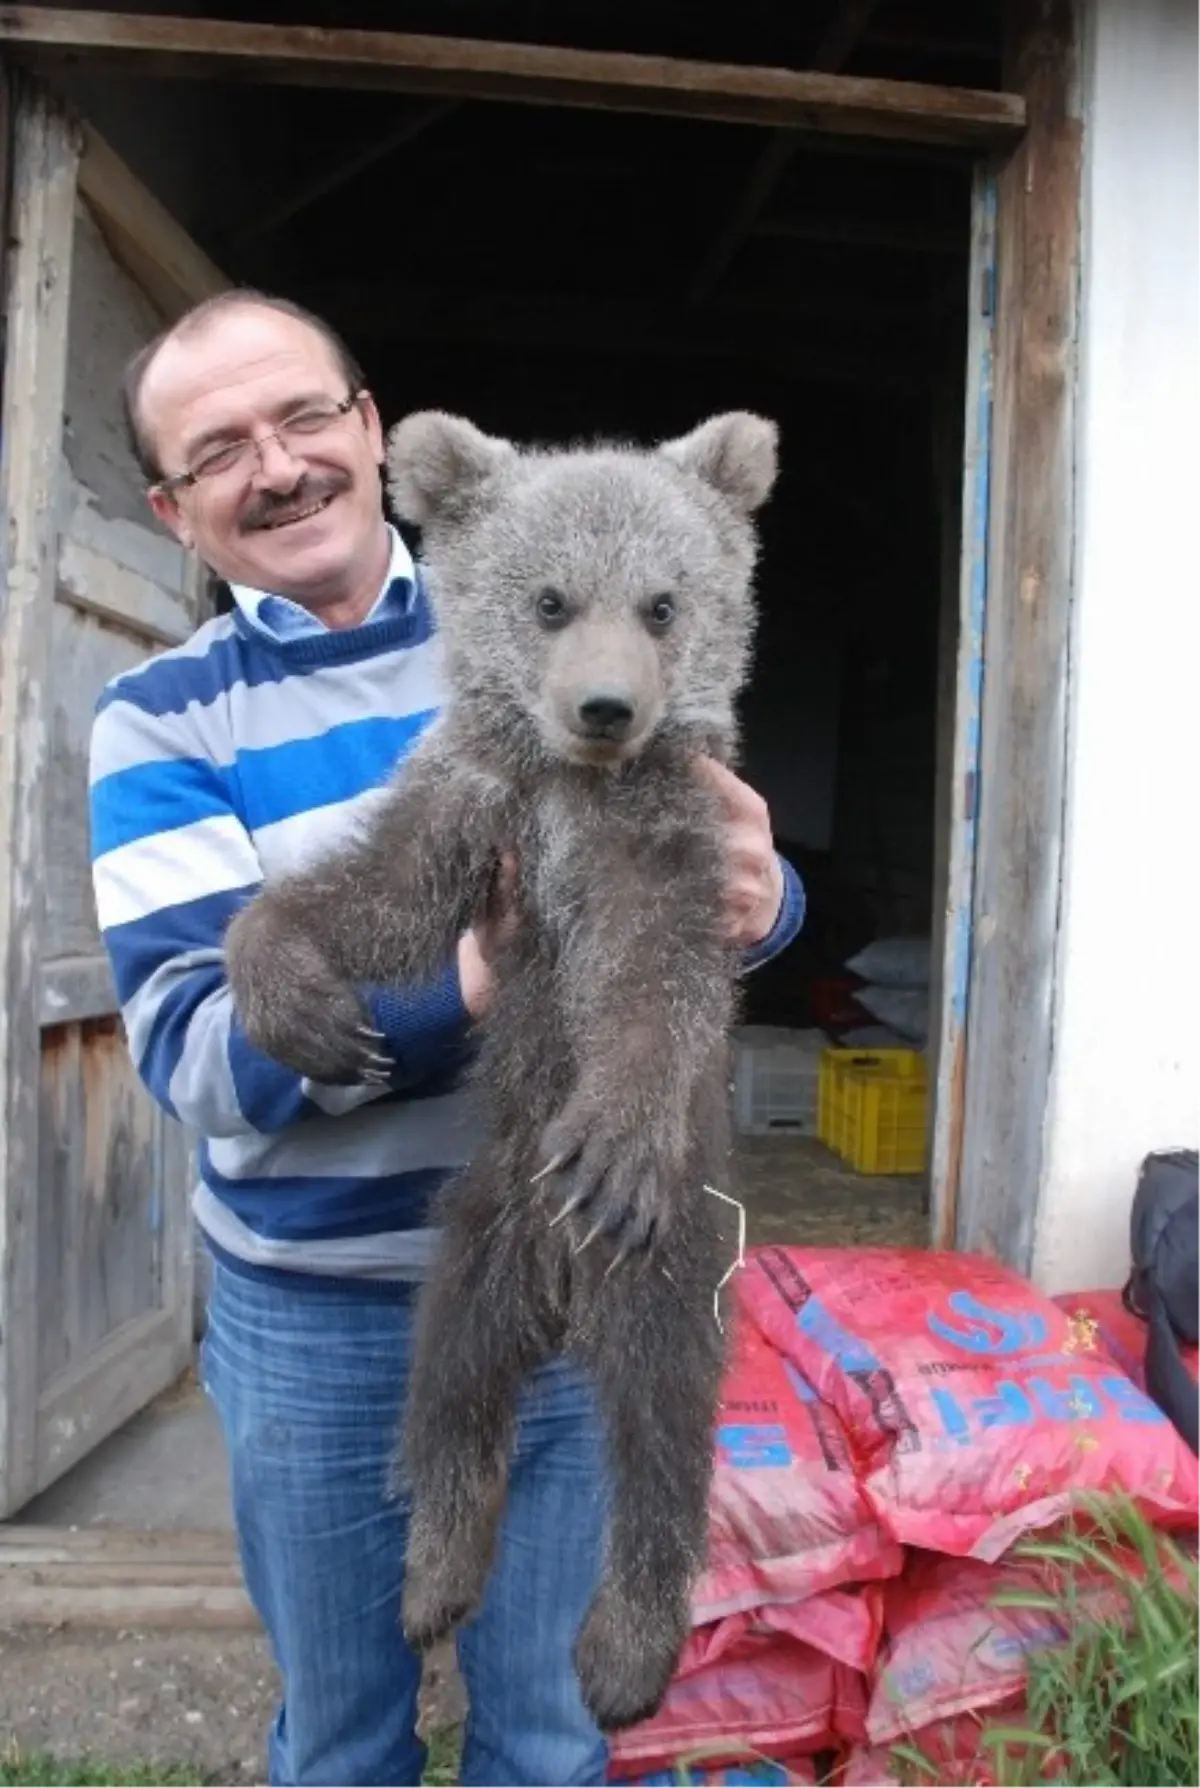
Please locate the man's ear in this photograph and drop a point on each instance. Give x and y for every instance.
(441, 465)
(170, 515)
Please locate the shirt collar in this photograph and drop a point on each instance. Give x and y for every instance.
(279, 617)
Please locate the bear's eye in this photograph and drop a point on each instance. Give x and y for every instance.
(662, 612)
(551, 608)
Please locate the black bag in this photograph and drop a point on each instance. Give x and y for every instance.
(1162, 1287)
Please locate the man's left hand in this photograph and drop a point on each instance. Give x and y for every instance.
(754, 879)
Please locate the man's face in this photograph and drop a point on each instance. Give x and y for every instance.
(302, 520)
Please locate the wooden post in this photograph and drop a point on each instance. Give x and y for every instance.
(1024, 711)
(40, 231)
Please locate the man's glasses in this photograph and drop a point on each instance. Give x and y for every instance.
(293, 434)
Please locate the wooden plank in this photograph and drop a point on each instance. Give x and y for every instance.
(1030, 584)
(105, 1577)
(96, 584)
(529, 74)
(40, 228)
(960, 675)
(108, 1387)
(30, 1545)
(75, 988)
(170, 1605)
(143, 236)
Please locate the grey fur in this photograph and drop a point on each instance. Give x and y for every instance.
(603, 1063)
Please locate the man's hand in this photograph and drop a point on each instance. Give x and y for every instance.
(477, 948)
(754, 884)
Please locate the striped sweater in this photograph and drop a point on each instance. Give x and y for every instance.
(241, 754)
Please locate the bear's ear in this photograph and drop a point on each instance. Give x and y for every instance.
(736, 453)
(438, 463)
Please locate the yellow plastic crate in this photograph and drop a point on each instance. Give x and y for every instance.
(871, 1108)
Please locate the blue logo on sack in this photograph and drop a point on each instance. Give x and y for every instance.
(747, 1445)
(989, 1331)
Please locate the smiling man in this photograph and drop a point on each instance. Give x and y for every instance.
(238, 755)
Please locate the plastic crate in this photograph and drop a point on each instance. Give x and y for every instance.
(775, 1077)
(871, 1108)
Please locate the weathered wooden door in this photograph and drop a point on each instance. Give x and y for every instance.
(95, 1231)
(953, 924)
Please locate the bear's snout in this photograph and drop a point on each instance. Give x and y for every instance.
(606, 712)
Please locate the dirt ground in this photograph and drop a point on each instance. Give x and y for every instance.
(200, 1699)
(203, 1699)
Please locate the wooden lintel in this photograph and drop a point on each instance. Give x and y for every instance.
(531, 74)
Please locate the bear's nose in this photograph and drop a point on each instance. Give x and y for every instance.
(606, 713)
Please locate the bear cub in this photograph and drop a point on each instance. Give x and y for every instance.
(595, 609)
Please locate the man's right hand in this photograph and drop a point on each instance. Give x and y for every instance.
(478, 947)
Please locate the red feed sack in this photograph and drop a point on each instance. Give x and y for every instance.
(787, 1517)
(952, 1656)
(972, 1411)
(1099, 1319)
(949, 1650)
(740, 1690)
(845, 1624)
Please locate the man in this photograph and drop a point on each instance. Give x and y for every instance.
(237, 755)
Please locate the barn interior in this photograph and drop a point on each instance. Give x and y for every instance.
(558, 273)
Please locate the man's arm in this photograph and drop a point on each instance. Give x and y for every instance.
(171, 865)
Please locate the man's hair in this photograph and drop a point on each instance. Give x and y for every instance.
(237, 297)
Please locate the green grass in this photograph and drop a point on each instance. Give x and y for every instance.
(1118, 1707)
(37, 1769)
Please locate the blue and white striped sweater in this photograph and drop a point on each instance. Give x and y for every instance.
(240, 754)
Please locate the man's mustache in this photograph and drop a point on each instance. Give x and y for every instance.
(268, 508)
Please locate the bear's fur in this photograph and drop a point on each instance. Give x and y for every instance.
(596, 610)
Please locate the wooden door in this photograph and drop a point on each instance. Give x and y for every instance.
(95, 1182)
(959, 790)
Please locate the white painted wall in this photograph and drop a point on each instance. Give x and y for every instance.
(1127, 1048)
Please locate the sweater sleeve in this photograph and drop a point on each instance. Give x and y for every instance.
(788, 921)
(172, 863)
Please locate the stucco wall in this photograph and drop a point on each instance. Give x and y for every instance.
(1127, 997)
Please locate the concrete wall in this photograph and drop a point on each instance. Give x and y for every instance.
(1127, 1011)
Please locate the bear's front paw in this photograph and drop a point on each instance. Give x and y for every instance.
(621, 1175)
(293, 1006)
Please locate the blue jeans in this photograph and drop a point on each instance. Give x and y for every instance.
(308, 1386)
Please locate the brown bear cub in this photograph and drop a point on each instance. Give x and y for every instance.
(595, 610)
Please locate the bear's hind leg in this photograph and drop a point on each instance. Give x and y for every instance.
(478, 1338)
(656, 1353)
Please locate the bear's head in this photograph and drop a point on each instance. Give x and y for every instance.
(602, 595)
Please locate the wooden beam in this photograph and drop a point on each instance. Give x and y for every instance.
(340, 172)
(142, 235)
(849, 19)
(530, 74)
(1022, 777)
(40, 230)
